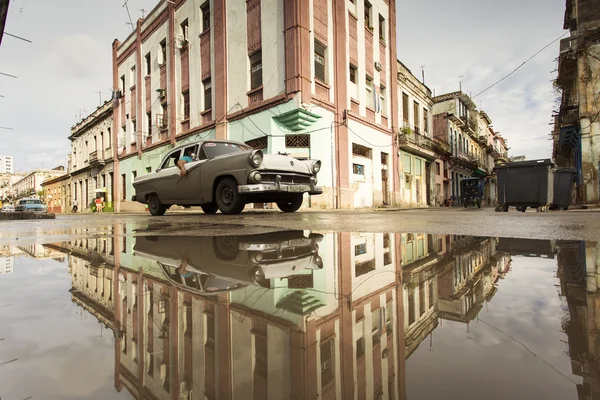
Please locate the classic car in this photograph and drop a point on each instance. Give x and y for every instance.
(35, 205)
(225, 176)
(238, 260)
(7, 208)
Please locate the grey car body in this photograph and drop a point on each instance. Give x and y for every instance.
(226, 175)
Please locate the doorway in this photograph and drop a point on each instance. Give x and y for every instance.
(384, 180)
(428, 182)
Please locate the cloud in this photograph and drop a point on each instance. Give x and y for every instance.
(74, 58)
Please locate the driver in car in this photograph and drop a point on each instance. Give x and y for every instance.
(188, 156)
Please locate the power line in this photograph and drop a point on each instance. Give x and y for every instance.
(520, 66)
(17, 37)
(9, 75)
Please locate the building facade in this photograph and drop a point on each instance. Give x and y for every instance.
(31, 184)
(57, 193)
(6, 165)
(313, 79)
(578, 119)
(90, 160)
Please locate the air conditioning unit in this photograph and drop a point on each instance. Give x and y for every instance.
(378, 66)
(160, 121)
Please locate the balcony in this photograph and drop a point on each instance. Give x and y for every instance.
(417, 144)
(567, 61)
(568, 45)
(441, 147)
(96, 158)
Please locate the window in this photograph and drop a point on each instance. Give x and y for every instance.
(297, 141)
(320, 61)
(381, 28)
(327, 362)
(133, 175)
(416, 116)
(186, 105)
(421, 298)
(133, 130)
(205, 11)
(123, 189)
(149, 122)
(162, 56)
(405, 107)
(164, 121)
(430, 294)
(171, 160)
(382, 107)
(360, 347)
(361, 151)
(352, 73)
(425, 120)
(108, 138)
(256, 70)
(207, 93)
(148, 64)
(358, 169)
(184, 31)
(369, 91)
(407, 164)
(132, 76)
(411, 306)
(148, 170)
(122, 83)
(368, 23)
(438, 169)
(360, 249)
(375, 327)
(418, 167)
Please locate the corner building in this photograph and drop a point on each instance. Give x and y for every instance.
(315, 79)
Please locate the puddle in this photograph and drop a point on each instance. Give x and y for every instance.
(300, 315)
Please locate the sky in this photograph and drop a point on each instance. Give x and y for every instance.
(69, 61)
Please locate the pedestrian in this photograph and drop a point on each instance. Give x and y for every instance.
(98, 204)
(74, 206)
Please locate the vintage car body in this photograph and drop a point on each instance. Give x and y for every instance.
(225, 176)
(35, 205)
(240, 260)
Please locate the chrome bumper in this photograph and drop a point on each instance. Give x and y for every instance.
(279, 188)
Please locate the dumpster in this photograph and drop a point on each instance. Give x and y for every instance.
(564, 178)
(525, 184)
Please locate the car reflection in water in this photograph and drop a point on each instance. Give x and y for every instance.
(212, 265)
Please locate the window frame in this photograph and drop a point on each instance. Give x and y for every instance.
(256, 60)
(168, 157)
(320, 51)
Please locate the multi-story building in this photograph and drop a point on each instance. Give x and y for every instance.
(313, 79)
(31, 184)
(419, 166)
(6, 165)
(57, 193)
(578, 123)
(90, 160)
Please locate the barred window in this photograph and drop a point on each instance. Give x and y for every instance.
(260, 143)
(361, 151)
(256, 78)
(320, 61)
(364, 267)
(297, 141)
(358, 169)
(300, 281)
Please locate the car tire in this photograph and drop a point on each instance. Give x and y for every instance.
(227, 197)
(226, 247)
(209, 208)
(291, 205)
(155, 207)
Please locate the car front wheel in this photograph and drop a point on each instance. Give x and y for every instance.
(155, 207)
(292, 204)
(227, 197)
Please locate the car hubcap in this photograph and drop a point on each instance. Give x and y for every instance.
(227, 196)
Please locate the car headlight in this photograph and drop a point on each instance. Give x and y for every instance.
(256, 158)
(318, 262)
(255, 177)
(316, 167)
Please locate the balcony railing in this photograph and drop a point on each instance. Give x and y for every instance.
(96, 157)
(416, 139)
(568, 44)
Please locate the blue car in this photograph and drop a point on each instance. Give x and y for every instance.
(35, 205)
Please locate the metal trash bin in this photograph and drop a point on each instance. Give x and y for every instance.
(525, 184)
(564, 179)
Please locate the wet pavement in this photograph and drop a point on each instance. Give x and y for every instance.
(159, 309)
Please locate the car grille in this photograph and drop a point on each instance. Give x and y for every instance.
(285, 178)
(287, 253)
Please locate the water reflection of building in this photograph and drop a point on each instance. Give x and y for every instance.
(6, 265)
(343, 333)
(579, 274)
(42, 252)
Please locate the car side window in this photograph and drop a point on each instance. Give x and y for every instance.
(195, 155)
(171, 160)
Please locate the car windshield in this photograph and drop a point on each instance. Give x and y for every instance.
(218, 149)
(31, 202)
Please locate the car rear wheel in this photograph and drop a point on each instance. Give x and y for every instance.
(209, 208)
(292, 204)
(227, 197)
(155, 207)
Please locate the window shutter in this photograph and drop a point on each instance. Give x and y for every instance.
(320, 61)
(256, 70)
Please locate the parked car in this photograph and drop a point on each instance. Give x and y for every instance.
(35, 205)
(233, 261)
(225, 176)
(8, 208)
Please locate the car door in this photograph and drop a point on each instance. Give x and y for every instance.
(166, 178)
(188, 188)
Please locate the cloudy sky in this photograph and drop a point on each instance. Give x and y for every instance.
(69, 62)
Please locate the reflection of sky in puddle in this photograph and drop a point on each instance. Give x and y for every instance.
(474, 317)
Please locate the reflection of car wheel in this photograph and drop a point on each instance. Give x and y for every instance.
(209, 208)
(155, 207)
(479, 204)
(291, 205)
(227, 197)
(521, 208)
(258, 275)
(226, 247)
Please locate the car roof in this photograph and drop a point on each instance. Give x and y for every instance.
(193, 143)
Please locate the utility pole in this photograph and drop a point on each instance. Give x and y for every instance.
(143, 12)
(423, 73)
(460, 82)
